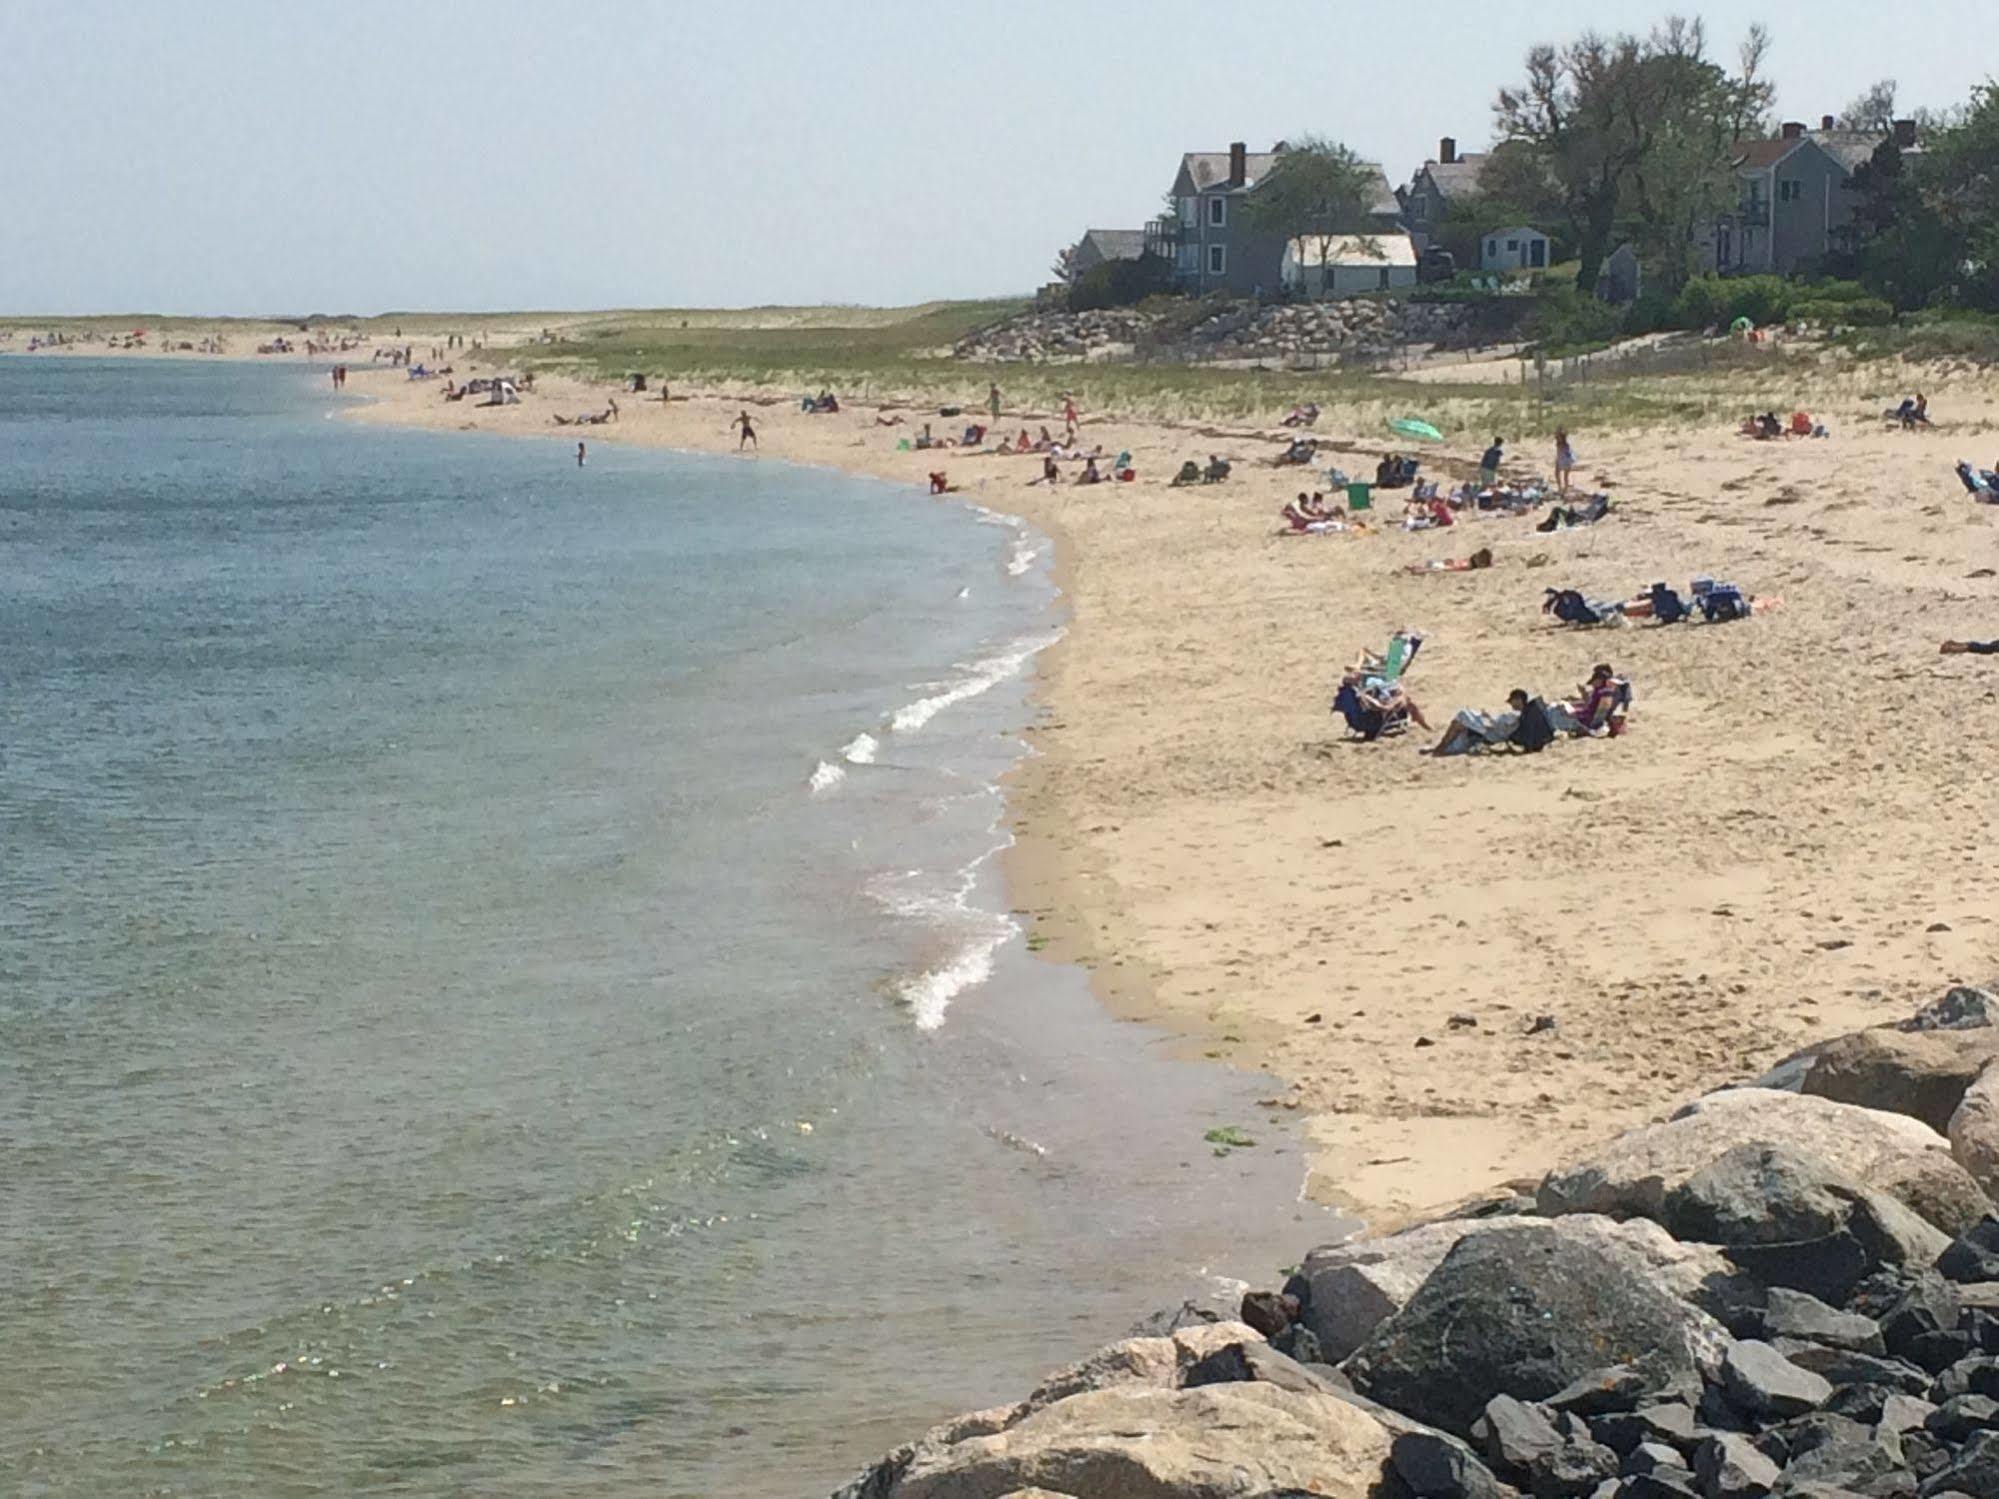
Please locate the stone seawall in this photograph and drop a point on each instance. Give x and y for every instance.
(1787, 1288)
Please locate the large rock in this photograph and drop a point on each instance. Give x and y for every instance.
(1761, 1381)
(1974, 1130)
(1921, 1073)
(1962, 1009)
(1348, 1290)
(1135, 1442)
(1892, 1153)
(1793, 1314)
(1524, 1314)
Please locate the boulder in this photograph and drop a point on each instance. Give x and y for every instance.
(1254, 1362)
(1139, 1442)
(1526, 1313)
(1650, 1457)
(1974, 1255)
(1436, 1466)
(1572, 1470)
(1671, 1422)
(1762, 1382)
(1875, 1232)
(1921, 1073)
(1961, 1415)
(1152, 1361)
(1621, 1387)
(1841, 1367)
(1974, 1130)
(1977, 1375)
(1728, 1466)
(1900, 1413)
(1515, 1435)
(1929, 1305)
(1345, 1291)
(1269, 1312)
(1891, 1153)
(1794, 1314)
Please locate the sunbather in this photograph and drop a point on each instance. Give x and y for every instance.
(1970, 647)
(1983, 485)
(1090, 475)
(1571, 608)
(1482, 558)
(1217, 470)
(1051, 472)
(1190, 473)
(1602, 702)
(1302, 416)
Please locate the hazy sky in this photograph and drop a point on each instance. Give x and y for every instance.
(364, 155)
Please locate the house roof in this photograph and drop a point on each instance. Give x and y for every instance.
(1116, 244)
(1210, 169)
(1460, 178)
(1847, 147)
(1760, 156)
(1518, 231)
(1353, 249)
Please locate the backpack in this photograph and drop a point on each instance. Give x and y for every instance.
(1667, 606)
(1533, 733)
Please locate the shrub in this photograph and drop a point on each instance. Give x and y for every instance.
(1653, 312)
(1121, 283)
(1566, 319)
(1857, 312)
(1717, 301)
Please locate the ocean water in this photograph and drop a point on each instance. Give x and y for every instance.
(505, 985)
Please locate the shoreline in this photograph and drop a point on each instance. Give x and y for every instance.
(1744, 874)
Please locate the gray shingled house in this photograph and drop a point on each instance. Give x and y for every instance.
(1208, 238)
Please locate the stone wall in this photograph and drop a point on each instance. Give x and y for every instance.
(1358, 329)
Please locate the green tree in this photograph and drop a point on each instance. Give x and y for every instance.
(1696, 114)
(1959, 177)
(1897, 244)
(1872, 110)
(1635, 130)
(1317, 191)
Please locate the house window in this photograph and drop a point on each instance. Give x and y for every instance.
(1790, 190)
(1190, 258)
(1512, 246)
(1218, 212)
(1218, 260)
(1190, 211)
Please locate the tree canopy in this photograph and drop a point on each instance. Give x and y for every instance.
(1317, 191)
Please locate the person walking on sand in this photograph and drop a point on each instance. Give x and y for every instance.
(1488, 466)
(1565, 460)
(749, 433)
(993, 401)
(579, 455)
(1069, 416)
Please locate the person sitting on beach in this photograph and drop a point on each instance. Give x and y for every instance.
(974, 435)
(1302, 416)
(1045, 442)
(1190, 473)
(1768, 427)
(1524, 726)
(1022, 443)
(1217, 470)
(1300, 451)
(1601, 703)
(1970, 647)
(925, 440)
(1914, 411)
(888, 421)
(1051, 472)
(1090, 475)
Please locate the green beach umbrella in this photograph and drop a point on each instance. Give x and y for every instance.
(1408, 426)
(1741, 325)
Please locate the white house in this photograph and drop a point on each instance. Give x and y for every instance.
(1348, 264)
(1521, 249)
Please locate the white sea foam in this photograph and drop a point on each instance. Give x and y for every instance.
(980, 677)
(860, 750)
(1025, 555)
(826, 777)
(981, 934)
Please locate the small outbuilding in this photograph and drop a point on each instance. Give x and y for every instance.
(1520, 249)
(1349, 264)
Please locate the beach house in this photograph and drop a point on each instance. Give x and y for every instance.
(1207, 236)
(1450, 179)
(1522, 248)
(1794, 198)
(1101, 246)
(1349, 264)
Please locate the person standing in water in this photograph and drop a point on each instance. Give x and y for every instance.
(579, 455)
(749, 433)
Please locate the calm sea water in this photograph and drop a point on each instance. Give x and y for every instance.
(504, 984)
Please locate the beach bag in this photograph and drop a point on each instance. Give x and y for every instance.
(1667, 606)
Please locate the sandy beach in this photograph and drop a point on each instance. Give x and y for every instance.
(1792, 841)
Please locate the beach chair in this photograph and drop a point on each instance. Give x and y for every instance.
(1402, 649)
(1668, 608)
(1363, 722)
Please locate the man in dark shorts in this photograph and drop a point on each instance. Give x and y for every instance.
(1488, 466)
(749, 433)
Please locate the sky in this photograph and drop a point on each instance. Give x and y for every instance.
(216, 157)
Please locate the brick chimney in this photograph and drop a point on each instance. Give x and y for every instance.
(1238, 163)
(1827, 122)
(1794, 130)
(1447, 151)
(1905, 133)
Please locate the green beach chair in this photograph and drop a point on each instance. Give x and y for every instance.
(1360, 497)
